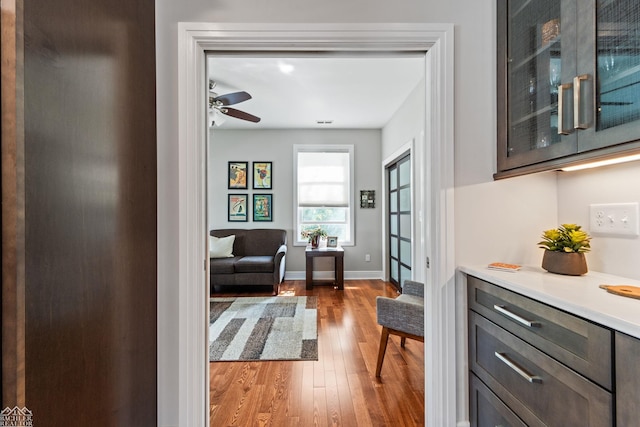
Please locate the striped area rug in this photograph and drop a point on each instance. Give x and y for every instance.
(263, 328)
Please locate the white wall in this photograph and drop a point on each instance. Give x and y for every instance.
(475, 124)
(611, 184)
(407, 123)
(277, 146)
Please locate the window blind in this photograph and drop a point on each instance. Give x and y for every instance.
(323, 179)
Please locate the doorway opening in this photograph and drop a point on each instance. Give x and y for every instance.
(436, 203)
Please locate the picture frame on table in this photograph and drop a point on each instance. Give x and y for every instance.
(262, 175)
(262, 207)
(237, 208)
(237, 173)
(332, 241)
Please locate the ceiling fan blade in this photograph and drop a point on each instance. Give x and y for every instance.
(233, 98)
(240, 114)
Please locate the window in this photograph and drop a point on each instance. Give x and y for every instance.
(323, 190)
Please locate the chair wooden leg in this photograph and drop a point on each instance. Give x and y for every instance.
(384, 338)
(402, 341)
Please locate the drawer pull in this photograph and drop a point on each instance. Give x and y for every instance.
(531, 378)
(512, 315)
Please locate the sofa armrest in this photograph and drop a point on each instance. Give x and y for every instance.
(411, 287)
(279, 261)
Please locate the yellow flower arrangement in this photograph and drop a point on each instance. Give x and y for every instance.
(566, 238)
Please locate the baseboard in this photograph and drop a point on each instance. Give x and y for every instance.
(463, 424)
(327, 275)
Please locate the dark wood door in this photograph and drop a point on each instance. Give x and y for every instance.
(79, 212)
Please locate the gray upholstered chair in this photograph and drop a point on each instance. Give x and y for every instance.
(402, 316)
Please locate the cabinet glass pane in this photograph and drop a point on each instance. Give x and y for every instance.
(405, 253)
(393, 202)
(618, 53)
(534, 72)
(394, 247)
(405, 199)
(405, 173)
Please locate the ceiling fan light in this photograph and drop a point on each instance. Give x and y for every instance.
(218, 117)
(285, 68)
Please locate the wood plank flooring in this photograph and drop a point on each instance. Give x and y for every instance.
(340, 389)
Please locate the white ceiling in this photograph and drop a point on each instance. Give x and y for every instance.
(295, 91)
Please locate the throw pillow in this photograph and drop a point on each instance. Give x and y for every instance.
(221, 247)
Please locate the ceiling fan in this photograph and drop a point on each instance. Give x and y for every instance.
(220, 103)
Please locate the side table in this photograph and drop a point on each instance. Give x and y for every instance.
(338, 256)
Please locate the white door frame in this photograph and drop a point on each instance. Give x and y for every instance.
(194, 39)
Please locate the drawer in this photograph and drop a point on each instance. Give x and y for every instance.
(582, 345)
(538, 389)
(487, 410)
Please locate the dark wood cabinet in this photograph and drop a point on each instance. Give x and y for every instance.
(487, 409)
(535, 365)
(568, 82)
(627, 380)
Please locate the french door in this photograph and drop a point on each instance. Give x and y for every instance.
(399, 197)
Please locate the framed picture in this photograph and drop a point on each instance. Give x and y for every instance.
(237, 208)
(262, 175)
(238, 178)
(332, 241)
(262, 207)
(367, 199)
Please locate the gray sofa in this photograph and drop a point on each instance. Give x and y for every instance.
(258, 259)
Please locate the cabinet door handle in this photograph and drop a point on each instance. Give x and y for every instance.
(529, 323)
(561, 108)
(577, 101)
(504, 359)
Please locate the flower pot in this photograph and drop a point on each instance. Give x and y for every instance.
(569, 263)
(315, 240)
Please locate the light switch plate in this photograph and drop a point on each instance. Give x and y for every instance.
(617, 219)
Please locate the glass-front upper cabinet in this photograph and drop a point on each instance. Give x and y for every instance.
(609, 110)
(568, 81)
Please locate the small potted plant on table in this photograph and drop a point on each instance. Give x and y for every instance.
(313, 234)
(565, 247)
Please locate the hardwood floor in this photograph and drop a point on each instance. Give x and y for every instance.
(340, 389)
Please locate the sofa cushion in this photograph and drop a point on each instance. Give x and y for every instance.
(257, 241)
(221, 247)
(254, 264)
(222, 265)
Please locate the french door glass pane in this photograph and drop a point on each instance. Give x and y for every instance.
(405, 199)
(393, 179)
(405, 226)
(393, 224)
(405, 274)
(394, 247)
(405, 173)
(618, 53)
(405, 252)
(394, 271)
(393, 202)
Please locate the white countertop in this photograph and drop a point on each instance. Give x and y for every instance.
(579, 295)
